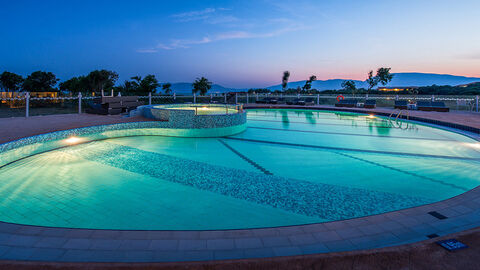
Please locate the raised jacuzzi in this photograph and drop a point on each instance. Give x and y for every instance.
(197, 120)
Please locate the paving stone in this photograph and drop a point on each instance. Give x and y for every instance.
(275, 241)
(245, 243)
(302, 239)
(220, 244)
(46, 254)
(349, 233)
(139, 256)
(167, 256)
(105, 244)
(259, 253)
(327, 236)
(18, 253)
(77, 244)
(51, 242)
(164, 245)
(3, 250)
(5, 237)
(30, 230)
(364, 242)
(287, 251)
(340, 245)
(22, 240)
(192, 244)
(135, 244)
(371, 229)
(314, 248)
(228, 254)
(201, 255)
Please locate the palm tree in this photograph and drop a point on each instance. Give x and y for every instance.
(372, 81)
(166, 88)
(201, 85)
(349, 85)
(308, 83)
(286, 75)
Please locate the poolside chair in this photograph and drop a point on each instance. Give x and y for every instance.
(130, 103)
(272, 101)
(105, 105)
(401, 104)
(310, 101)
(298, 101)
(351, 103)
(424, 106)
(370, 103)
(262, 101)
(295, 101)
(281, 101)
(439, 106)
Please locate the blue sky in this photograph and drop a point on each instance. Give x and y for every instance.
(240, 43)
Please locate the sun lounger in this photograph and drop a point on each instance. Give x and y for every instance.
(401, 104)
(347, 103)
(370, 103)
(437, 106)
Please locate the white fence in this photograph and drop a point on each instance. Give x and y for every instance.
(26, 102)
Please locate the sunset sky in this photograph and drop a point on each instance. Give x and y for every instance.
(240, 43)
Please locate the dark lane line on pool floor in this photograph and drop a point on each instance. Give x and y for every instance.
(319, 123)
(253, 163)
(353, 149)
(312, 117)
(353, 134)
(402, 171)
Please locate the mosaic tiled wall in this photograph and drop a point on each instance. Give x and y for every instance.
(188, 118)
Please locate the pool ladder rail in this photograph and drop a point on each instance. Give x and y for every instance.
(397, 123)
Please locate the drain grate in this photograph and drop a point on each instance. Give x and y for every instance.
(253, 163)
(437, 215)
(433, 235)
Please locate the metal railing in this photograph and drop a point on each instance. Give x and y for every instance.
(23, 104)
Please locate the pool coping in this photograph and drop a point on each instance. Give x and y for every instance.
(37, 243)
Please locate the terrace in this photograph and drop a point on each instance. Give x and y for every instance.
(361, 241)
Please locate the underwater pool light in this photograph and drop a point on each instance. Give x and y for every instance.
(73, 140)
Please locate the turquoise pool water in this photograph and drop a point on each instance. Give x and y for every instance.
(289, 167)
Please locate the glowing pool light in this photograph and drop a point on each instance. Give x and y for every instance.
(371, 116)
(73, 140)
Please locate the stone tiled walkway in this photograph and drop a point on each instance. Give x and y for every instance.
(19, 242)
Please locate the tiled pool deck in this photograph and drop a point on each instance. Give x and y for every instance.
(33, 243)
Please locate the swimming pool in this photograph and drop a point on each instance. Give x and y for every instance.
(289, 167)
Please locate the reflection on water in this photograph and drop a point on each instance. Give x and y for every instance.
(285, 121)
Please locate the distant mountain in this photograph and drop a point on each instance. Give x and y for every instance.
(399, 79)
(186, 89)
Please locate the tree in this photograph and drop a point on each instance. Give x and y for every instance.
(146, 85)
(10, 81)
(201, 85)
(75, 85)
(99, 80)
(40, 81)
(285, 77)
(308, 83)
(167, 88)
(128, 87)
(349, 86)
(372, 81)
(384, 76)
